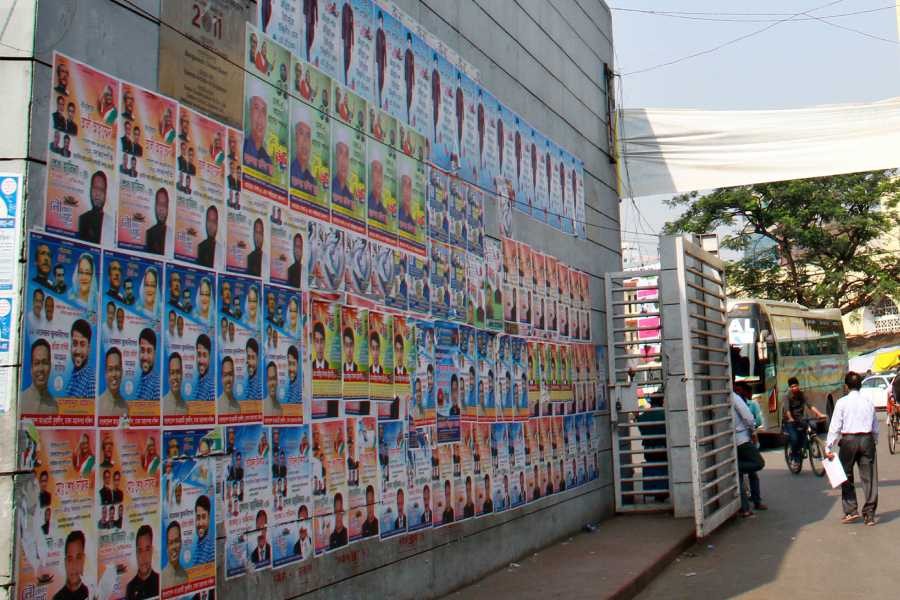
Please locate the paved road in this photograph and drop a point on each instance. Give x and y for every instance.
(798, 548)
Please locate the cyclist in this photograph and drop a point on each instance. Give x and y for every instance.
(794, 414)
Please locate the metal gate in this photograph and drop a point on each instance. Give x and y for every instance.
(707, 379)
(637, 412)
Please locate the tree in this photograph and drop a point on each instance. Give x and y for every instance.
(825, 237)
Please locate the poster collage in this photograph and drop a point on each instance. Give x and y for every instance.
(296, 336)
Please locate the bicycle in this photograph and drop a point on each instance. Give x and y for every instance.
(812, 448)
(893, 411)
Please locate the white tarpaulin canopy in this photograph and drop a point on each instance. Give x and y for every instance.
(669, 151)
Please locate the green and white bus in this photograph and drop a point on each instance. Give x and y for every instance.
(773, 341)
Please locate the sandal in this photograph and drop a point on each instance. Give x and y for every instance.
(745, 514)
(850, 518)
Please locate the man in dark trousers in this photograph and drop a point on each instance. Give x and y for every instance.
(348, 39)
(856, 424)
(311, 17)
(435, 97)
(380, 58)
(409, 76)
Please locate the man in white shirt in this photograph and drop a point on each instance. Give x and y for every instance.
(744, 426)
(855, 422)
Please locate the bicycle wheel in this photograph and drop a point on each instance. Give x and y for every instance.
(892, 435)
(793, 467)
(816, 456)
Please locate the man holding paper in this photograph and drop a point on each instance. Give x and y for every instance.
(855, 422)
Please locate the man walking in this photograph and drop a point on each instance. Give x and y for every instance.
(855, 422)
(745, 430)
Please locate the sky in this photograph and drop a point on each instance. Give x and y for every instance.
(793, 64)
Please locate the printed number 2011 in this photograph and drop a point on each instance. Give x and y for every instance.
(207, 22)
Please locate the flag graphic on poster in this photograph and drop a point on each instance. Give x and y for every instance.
(239, 386)
(420, 103)
(81, 176)
(466, 103)
(444, 141)
(58, 377)
(284, 322)
(130, 341)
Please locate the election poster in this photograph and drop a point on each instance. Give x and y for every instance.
(493, 271)
(420, 284)
(421, 477)
(533, 374)
(578, 192)
(239, 384)
(500, 466)
(382, 276)
(382, 200)
(444, 143)
(516, 433)
(234, 176)
(381, 365)
(249, 496)
(465, 484)
(292, 540)
(421, 102)
(475, 291)
(356, 46)
(486, 115)
(188, 560)
(329, 476)
(467, 370)
(532, 460)
(327, 257)
(403, 360)
(200, 188)
(466, 104)
(567, 165)
(325, 358)
(248, 220)
(287, 240)
(54, 513)
(422, 410)
(411, 215)
(458, 233)
(443, 488)
(484, 503)
(486, 359)
(438, 206)
(146, 150)
(389, 47)
(475, 220)
(127, 509)
(320, 29)
(355, 360)
(601, 380)
(363, 476)
(310, 135)
(392, 461)
(440, 280)
(524, 166)
(554, 184)
(190, 341)
(58, 385)
(81, 174)
(130, 341)
(447, 382)
(505, 376)
(397, 293)
(266, 117)
(281, 21)
(458, 302)
(348, 159)
(284, 326)
(539, 178)
(359, 264)
(519, 354)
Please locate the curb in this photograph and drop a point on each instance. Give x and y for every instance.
(635, 585)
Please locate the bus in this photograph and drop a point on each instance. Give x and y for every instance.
(773, 341)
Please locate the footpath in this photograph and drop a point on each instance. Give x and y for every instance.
(618, 560)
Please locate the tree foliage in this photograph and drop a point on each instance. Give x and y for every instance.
(823, 240)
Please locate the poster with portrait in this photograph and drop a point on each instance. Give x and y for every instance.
(440, 280)
(601, 380)
(249, 496)
(458, 301)
(443, 489)
(532, 460)
(447, 382)
(329, 477)
(146, 165)
(444, 142)
(422, 409)
(506, 158)
(438, 206)
(517, 492)
(493, 276)
(248, 225)
(486, 361)
(389, 89)
(130, 341)
(382, 276)
(287, 241)
(356, 46)
(319, 27)
(533, 373)
(567, 166)
(310, 136)
(381, 204)
(411, 214)
(500, 492)
(467, 369)
(392, 462)
(381, 365)
(81, 174)
(327, 257)
(482, 469)
(540, 180)
(127, 512)
(348, 184)
(200, 187)
(190, 341)
(554, 184)
(292, 541)
(404, 361)
(355, 360)
(58, 383)
(506, 404)
(457, 207)
(233, 174)
(421, 473)
(519, 353)
(188, 558)
(325, 358)
(578, 192)
(420, 284)
(475, 220)
(284, 326)
(523, 166)
(280, 21)
(486, 115)
(422, 99)
(357, 249)
(239, 384)
(54, 523)
(397, 294)
(475, 290)
(466, 99)
(363, 477)
(266, 117)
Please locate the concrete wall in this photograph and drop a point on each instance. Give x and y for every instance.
(542, 58)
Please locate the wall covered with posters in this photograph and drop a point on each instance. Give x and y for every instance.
(305, 340)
